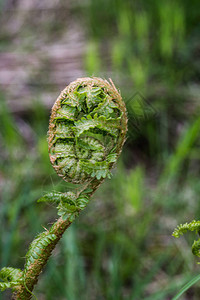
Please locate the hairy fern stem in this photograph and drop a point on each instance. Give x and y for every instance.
(34, 270)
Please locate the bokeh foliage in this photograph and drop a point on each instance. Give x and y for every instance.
(121, 246)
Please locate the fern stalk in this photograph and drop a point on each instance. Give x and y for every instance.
(87, 130)
(34, 270)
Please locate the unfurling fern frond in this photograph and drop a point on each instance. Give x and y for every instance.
(87, 130)
(192, 226)
(183, 228)
(88, 122)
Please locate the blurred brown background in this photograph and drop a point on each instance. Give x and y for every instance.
(121, 246)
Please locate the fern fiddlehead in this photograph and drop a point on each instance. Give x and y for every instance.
(192, 226)
(87, 130)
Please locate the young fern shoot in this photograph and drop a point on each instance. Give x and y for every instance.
(192, 226)
(87, 130)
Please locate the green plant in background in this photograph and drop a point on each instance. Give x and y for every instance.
(192, 226)
(148, 47)
(87, 130)
(180, 230)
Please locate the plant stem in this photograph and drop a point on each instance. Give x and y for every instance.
(23, 291)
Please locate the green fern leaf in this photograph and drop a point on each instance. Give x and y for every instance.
(11, 278)
(37, 248)
(53, 197)
(183, 228)
(196, 248)
(109, 125)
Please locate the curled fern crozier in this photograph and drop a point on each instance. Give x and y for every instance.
(87, 130)
(192, 226)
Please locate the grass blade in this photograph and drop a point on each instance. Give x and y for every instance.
(186, 287)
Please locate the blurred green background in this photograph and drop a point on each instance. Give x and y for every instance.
(121, 245)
